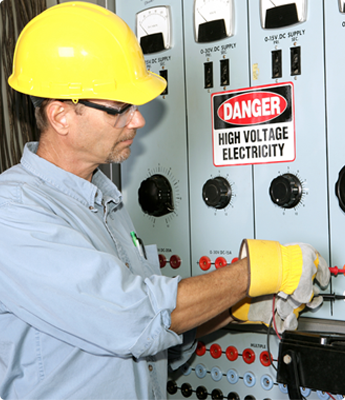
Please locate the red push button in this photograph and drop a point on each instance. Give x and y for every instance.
(200, 349)
(175, 262)
(220, 262)
(205, 263)
(231, 353)
(265, 359)
(162, 260)
(215, 350)
(248, 356)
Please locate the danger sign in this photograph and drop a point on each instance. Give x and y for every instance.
(254, 125)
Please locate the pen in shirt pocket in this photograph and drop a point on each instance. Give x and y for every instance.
(138, 243)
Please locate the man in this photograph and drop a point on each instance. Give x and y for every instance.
(83, 314)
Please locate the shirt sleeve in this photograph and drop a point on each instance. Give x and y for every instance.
(179, 355)
(53, 278)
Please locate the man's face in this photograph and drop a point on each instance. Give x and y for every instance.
(100, 140)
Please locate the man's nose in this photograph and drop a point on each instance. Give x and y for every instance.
(138, 121)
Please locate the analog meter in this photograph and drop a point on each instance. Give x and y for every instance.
(280, 13)
(213, 20)
(154, 29)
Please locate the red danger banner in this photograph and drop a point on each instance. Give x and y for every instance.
(254, 125)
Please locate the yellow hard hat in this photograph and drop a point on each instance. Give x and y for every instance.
(78, 50)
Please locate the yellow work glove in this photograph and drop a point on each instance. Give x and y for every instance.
(259, 310)
(287, 270)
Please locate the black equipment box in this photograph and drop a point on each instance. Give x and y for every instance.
(313, 361)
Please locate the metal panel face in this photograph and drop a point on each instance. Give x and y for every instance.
(221, 197)
(291, 203)
(234, 365)
(160, 147)
(335, 86)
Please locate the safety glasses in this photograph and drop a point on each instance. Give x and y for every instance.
(121, 117)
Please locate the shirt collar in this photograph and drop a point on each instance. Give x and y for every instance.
(72, 185)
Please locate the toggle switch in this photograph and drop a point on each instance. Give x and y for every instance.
(224, 72)
(277, 70)
(164, 74)
(295, 54)
(208, 75)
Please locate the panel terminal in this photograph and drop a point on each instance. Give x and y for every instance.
(224, 73)
(164, 74)
(295, 53)
(277, 71)
(208, 75)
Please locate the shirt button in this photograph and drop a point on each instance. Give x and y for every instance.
(127, 265)
(150, 367)
(90, 208)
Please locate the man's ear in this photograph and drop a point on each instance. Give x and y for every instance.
(58, 115)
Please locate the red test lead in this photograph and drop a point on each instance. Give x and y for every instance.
(335, 271)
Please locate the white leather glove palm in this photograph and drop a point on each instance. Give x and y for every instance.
(260, 310)
(315, 267)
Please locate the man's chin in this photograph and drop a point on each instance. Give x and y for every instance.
(120, 157)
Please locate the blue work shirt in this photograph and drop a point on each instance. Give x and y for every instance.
(82, 314)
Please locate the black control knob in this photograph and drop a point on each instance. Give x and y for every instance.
(186, 390)
(286, 191)
(340, 189)
(217, 394)
(155, 196)
(172, 387)
(217, 193)
(201, 393)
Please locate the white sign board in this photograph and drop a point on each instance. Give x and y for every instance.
(254, 125)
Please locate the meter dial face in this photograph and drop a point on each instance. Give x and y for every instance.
(213, 20)
(280, 13)
(154, 29)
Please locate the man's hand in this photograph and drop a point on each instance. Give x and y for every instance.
(259, 310)
(289, 270)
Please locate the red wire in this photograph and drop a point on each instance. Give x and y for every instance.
(331, 396)
(273, 316)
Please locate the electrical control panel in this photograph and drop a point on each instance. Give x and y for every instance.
(287, 194)
(235, 365)
(221, 197)
(334, 18)
(246, 142)
(155, 179)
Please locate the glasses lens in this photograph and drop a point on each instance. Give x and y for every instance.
(123, 119)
